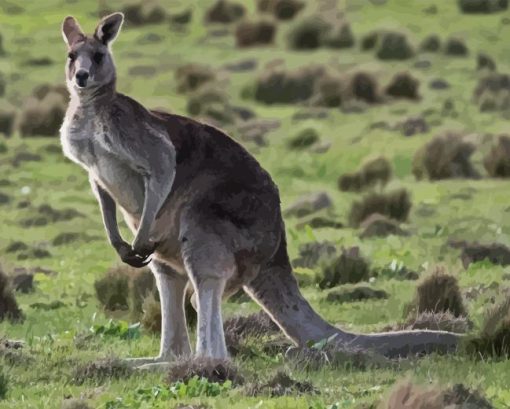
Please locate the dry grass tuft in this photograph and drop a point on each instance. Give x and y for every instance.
(214, 370)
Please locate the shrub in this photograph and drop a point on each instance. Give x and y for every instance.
(286, 87)
(394, 46)
(377, 225)
(482, 6)
(340, 36)
(281, 9)
(372, 172)
(485, 62)
(252, 33)
(309, 33)
(42, 113)
(492, 92)
(190, 77)
(403, 85)
(349, 267)
(455, 47)
(144, 13)
(445, 156)
(438, 292)
(9, 309)
(304, 139)
(497, 161)
(431, 44)
(225, 12)
(395, 205)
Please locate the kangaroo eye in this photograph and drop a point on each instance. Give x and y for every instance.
(98, 57)
(71, 56)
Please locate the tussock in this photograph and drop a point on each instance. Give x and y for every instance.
(497, 161)
(482, 6)
(492, 92)
(395, 204)
(393, 46)
(375, 171)
(190, 77)
(496, 253)
(446, 156)
(101, 371)
(403, 85)
(112, 290)
(485, 62)
(255, 33)
(431, 44)
(225, 12)
(214, 370)
(438, 292)
(349, 267)
(304, 139)
(347, 294)
(455, 47)
(9, 309)
(377, 225)
(281, 9)
(144, 13)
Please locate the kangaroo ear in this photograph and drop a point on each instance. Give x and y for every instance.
(108, 28)
(71, 31)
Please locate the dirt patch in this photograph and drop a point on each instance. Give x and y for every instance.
(214, 370)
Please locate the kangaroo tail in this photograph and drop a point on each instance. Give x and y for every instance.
(276, 290)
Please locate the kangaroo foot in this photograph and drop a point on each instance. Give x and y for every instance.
(139, 362)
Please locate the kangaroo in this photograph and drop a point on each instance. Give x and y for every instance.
(201, 209)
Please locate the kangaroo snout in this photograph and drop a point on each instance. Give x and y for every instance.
(81, 78)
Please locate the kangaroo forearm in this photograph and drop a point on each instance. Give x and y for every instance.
(108, 211)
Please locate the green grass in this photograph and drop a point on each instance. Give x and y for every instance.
(438, 214)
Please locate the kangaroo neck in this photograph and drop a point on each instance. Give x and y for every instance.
(96, 98)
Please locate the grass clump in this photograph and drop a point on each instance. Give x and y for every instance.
(287, 87)
(376, 171)
(309, 33)
(144, 13)
(101, 371)
(349, 267)
(494, 337)
(438, 292)
(43, 112)
(211, 103)
(431, 44)
(496, 253)
(403, 85)
(281, 9)
(497, 161)
(304, 139)
(455, 47)
(492, 92)
(346, 294)
(9, 309)
(151, 318)
(446, 156)
(340, 36)
(225, 12)
(75, 404)
(393, 46)
(214, 370)
(4, 385)
(406, 394)
(377, 225)
(482, 6)
(190, 77)
(395, 204)
(485, 62)
(112, 290)
(7, 121)
(255, 33)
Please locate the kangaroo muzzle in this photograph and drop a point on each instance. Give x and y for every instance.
(82, 77)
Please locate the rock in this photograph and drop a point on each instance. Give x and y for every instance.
(377, 225)
(309, 204)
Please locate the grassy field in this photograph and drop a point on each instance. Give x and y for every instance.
(453, 209)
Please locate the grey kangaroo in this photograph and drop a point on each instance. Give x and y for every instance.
(200, 206)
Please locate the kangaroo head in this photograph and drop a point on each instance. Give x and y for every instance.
(90, 63)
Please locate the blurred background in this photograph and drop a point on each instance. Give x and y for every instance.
(383, 122)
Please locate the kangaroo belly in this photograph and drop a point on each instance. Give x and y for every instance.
(123, 183)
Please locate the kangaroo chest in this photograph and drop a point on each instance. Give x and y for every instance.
(90, 139)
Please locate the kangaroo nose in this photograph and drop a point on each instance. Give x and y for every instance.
(81, 78)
